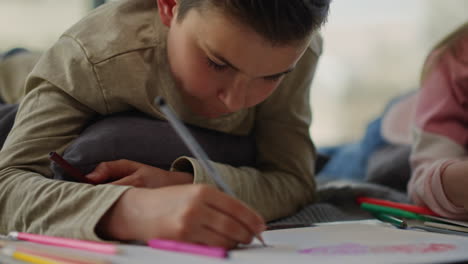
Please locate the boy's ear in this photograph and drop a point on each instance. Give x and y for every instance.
(167, 10)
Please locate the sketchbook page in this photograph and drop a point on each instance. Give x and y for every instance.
(352, 242)
(338, 243)
(356, 243)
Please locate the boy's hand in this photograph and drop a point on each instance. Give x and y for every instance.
(126, 172)
(190, 213)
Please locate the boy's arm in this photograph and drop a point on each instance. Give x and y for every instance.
(29, 201)
(282, 180)
(48, 119)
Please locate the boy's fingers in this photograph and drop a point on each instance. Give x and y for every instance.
(237, 210)
(212, 238)
(129, 181)
(227, 226)
(206, 236)
(113, 170)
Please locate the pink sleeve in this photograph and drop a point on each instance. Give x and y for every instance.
(440, 130)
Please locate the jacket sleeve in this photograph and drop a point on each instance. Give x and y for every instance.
(282, 180)
(440, 133)
(62, 96)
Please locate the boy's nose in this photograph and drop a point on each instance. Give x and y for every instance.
(234, 96)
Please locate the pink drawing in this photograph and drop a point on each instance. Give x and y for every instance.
(346, 249)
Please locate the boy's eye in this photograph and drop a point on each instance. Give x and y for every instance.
(273, 78)
(215, 66)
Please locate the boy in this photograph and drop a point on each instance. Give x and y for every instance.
(216, 63)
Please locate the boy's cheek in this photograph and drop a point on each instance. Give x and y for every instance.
(202, 81)
(198, 84)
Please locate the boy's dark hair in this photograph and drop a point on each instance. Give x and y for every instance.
(279, 21)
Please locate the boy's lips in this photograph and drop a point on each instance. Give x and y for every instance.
(207, 110)
(210, 113)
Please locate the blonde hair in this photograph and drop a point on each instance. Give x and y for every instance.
(449, 44)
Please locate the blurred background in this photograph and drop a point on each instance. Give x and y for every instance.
(373, 51)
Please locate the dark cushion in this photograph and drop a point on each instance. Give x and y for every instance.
(137, 137)
(390, 166)
(7, 118)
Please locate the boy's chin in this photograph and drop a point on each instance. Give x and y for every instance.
(211, 114)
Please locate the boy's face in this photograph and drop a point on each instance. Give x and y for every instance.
(222, 66)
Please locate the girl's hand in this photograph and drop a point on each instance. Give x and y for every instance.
(191, 213)
(126, 172)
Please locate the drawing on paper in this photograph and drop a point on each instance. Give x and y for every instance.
(358, 249)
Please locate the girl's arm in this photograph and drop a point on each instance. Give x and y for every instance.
(441, 133)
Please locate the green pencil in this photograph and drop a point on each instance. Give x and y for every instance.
(392, 220)
(379, 209)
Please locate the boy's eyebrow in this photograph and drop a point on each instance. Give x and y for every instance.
(225, 61)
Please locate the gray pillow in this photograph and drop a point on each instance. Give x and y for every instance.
(390, 166)
(7, 118)
(140, 138)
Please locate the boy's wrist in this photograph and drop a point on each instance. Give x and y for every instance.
(179, 178)
(116, 223)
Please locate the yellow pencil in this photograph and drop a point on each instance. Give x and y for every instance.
(29, 258)
(60, 256)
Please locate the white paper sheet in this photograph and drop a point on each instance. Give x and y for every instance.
(338, 243)
(352, 242)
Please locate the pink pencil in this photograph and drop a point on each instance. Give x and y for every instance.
(214, 252)
(103, 248)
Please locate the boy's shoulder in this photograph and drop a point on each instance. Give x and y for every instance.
(117, 28)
